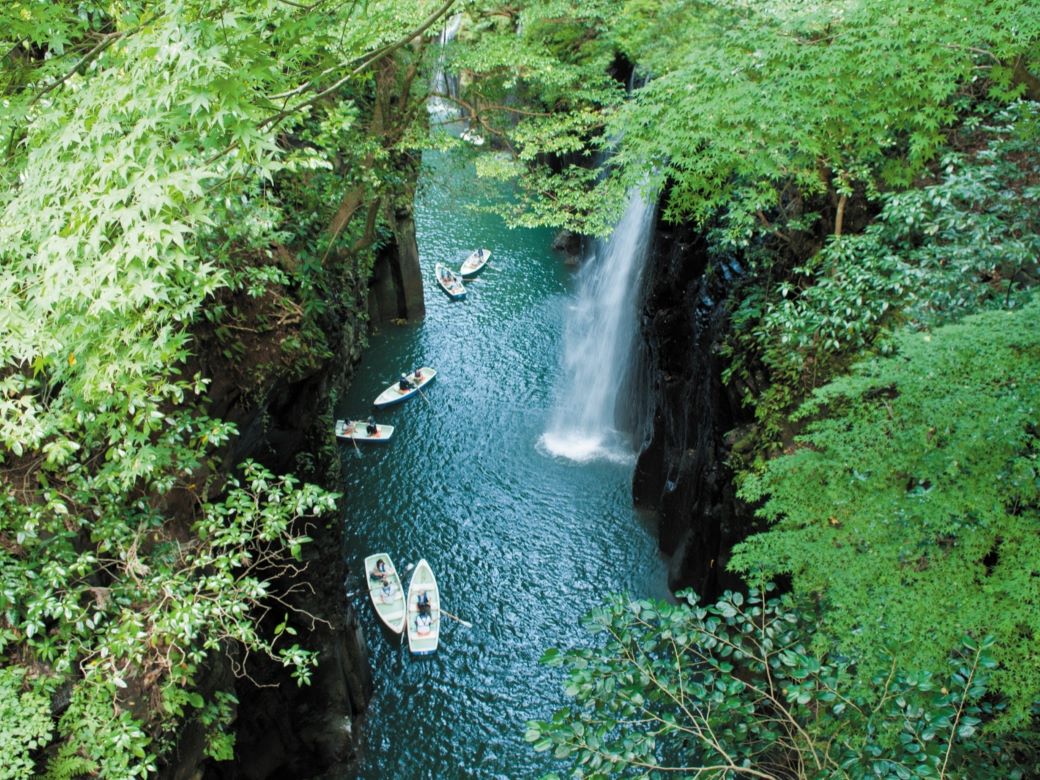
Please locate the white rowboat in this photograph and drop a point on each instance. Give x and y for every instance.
(423, 630)
(475, 263)
(449, 282)
(394, 394)
(357, 430)
(386, 591)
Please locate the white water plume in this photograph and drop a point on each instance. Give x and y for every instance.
(441, 108)
(599, 343)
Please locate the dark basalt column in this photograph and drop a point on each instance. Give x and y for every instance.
(285, 421)
(682, 470)
(396, 290)
(286, 730)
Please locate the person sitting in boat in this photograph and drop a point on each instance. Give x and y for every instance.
(387, 591)
(422, 601)
(380, 572)
(424, 624)
(417, 376)
(404, 384)
(371, 426)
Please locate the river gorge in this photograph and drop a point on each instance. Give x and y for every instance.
(523, 542)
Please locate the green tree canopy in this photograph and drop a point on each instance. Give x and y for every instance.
(910, 508)
(730, 690)
(966, 240)
(748, 100)
(153, 154)
(751, 109)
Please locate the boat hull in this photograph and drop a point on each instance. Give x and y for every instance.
(423, 581)
(356, 430)
(390, 608)
(475, 263)
(449, 282)
(394, 395)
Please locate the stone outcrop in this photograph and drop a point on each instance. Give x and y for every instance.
(284, 417)
(569, 244)
(280, 401)
(282, 729)
(396, 288)
(682, 470)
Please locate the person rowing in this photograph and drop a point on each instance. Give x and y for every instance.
(422, 603)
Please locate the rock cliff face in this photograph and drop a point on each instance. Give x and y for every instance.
(284, 417)
(286, 730)
(395, 289)
(682, 470)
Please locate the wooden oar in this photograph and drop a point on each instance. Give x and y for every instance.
(352, 440)
(427, 400)
(466, 623)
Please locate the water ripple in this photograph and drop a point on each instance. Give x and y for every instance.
(522, 543)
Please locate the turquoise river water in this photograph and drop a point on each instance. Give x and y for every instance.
(522, 543)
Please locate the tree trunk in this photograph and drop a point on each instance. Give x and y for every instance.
(839, 216)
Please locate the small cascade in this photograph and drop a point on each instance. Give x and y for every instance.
(443, 109)
(592, 419)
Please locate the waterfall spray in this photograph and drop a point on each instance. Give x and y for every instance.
(599, 343)
(442, 109)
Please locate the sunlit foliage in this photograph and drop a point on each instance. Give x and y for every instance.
(748, 109)
(153, 158)
(911, 506)
(731, 690)
(968, 240)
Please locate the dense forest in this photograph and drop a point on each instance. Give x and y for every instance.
(197, 196)
(192, 192)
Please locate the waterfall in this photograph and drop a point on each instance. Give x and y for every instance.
(443, 83)
(599, 344)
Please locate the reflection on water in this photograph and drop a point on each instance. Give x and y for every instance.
(522, 544)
